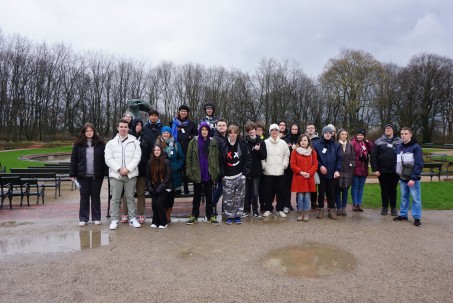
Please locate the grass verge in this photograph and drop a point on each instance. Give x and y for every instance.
(12, 158)
(435, 195)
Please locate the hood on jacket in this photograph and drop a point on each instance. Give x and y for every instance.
(203, 124)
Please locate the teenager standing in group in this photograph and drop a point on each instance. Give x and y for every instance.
(183, 130)
(88, 167)
(202, 166)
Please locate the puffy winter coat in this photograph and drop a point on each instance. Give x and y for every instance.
(329, 156)
(78, 164)
(302, 163)
(277, 159)
(193, 162)
(123, 153)
(383, 157)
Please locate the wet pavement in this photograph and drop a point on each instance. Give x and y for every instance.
(364, 257)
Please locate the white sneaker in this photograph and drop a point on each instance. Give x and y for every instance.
(114, 224)
(162, 226)
(282, 214)
(81, 223)
(133, 222)
(266, 213)
(285, 210)
(97, 222)
(153, 225)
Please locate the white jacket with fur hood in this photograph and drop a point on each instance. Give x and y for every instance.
(123, 153)
(277, 157)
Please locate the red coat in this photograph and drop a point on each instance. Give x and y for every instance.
(308, 164)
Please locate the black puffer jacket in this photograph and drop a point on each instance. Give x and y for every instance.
(146, 147)
(383, 157)
(78, 166)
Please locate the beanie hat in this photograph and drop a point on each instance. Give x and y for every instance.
(166, 129)
(184, 107)
(209, 105)
(390, 125)
(331, 127)
(273, 126)
(327, 129)
(361, 132)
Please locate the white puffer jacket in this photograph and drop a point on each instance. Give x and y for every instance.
(277, 157)
(123, 153)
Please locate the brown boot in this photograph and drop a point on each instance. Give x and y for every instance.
(305, 217)
(320, 213)
(332, 214)
(300, 215)
(168, 213)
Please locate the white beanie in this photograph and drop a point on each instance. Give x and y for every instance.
(273, 126)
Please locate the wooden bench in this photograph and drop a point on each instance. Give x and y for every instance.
(45, 178)
(437, 157)
(61, 171)
(16, 186)
(435, 169)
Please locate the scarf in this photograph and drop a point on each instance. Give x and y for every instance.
(176, 125)
(203, 157)
(303, 151)
(170, 146)
(343, 144)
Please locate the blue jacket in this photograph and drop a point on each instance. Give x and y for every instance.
(330, 156)
(412, 148)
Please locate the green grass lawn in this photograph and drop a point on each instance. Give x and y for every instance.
(435, 195)
(12, 158)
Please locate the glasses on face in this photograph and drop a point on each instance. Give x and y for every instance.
(274, 130)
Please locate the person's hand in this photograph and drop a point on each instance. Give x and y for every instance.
(257, 147)
(336, 175)
(323, 170)
(411, 183)
(377, 173)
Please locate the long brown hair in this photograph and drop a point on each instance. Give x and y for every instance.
(157, 165)
(300, 138)
(82, 138)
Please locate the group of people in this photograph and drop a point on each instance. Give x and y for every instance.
(248, 172)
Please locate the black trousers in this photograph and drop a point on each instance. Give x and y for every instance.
(288, 181)
(197, 190)
(273, 186)
(389, 184)
(90, 190)
(252, 197)
(170, 199)
(326, 188)
(158, 205)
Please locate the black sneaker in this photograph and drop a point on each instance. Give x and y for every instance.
(417, 222)
(291, 208)
(257, 215)
(384, 211)
(400, 218)
(245, 214)
(394, 212)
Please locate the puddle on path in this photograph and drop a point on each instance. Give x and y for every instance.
(310, 260)
(64, 242)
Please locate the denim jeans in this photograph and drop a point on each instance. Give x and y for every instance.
(303, 201)
(415, 193)
(341, 197)
(358, 183)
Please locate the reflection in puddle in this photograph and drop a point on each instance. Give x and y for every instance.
(84, 239)
(311, 260)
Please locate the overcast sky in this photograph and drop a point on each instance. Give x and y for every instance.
(237, 33)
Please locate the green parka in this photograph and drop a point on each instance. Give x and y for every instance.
(193, 163)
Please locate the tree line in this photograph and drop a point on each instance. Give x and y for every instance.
(50, 91)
